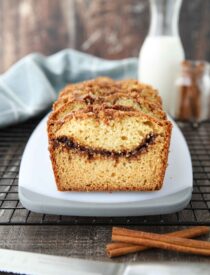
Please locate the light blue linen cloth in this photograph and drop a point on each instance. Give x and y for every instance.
(32, 84)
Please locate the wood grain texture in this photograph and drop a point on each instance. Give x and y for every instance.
(109, 29)
(86, 242)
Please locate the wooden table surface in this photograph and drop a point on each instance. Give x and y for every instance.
(108, 29)
(86, 242)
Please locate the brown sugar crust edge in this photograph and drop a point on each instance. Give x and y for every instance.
(86, 113)
(104, 113)
(86, 100)
(104, 87)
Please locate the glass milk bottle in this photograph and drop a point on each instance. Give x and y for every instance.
(162, 51)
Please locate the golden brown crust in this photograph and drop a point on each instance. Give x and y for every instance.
(166, 148)
(105, 87)
(105, 100)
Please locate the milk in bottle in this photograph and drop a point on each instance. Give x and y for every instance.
(162, 51)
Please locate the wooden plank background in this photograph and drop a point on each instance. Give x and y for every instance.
(106, 28)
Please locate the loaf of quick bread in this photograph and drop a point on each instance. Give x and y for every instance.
(107, 135)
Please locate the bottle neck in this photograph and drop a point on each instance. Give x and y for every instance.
(164, 17)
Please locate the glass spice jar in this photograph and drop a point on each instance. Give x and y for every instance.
(193, 92)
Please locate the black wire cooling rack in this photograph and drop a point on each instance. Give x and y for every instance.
(13, 141)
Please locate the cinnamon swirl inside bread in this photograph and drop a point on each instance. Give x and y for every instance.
(107, 135)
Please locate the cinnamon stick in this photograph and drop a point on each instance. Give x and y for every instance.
(161, 241)
(118, 248)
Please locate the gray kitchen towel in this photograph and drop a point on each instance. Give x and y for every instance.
(32, 84)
